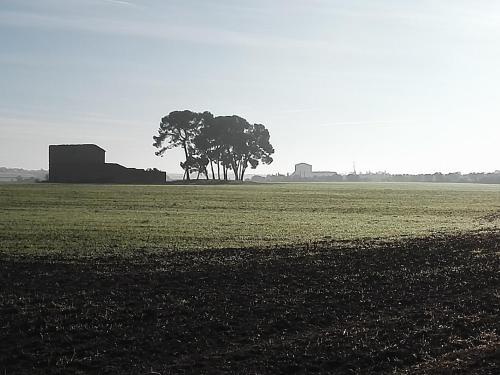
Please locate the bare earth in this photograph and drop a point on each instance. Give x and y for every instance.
(428, 305)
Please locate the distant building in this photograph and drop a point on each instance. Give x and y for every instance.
(324, 174)
(86, 164)
(303, 170)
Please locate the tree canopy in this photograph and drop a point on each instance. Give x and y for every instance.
(213, 146)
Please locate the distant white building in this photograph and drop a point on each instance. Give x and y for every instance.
(303, 170)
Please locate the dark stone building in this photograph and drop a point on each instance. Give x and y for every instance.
(86, 164)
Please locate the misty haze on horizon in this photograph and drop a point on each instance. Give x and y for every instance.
(402, 87)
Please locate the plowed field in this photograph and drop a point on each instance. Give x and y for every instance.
(426, 305)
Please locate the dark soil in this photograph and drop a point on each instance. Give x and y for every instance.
(420, 306)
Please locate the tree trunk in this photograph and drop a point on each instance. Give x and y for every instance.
(212, 168)
(234, 164)
(243, 167)
(235, 170)
(184, 145)
(240, 170)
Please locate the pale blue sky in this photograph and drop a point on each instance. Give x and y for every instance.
(403, 86)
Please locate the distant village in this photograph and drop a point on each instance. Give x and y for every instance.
(304, 173)
(86, 164)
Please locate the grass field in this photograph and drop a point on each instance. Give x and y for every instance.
(93, 220)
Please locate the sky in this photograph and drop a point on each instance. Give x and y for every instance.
(401, 86)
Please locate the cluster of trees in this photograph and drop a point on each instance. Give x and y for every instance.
(214, 145)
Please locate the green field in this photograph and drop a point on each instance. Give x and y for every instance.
(91, 220)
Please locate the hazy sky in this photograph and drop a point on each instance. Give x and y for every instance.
(397, 85)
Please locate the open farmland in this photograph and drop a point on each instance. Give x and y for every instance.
(93, 220)
(289, 278)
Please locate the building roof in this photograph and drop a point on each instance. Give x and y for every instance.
(304, 164)
(83, 145)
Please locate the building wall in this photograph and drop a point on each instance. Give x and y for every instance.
(106, 174)
(86, 164)
(82, 154)
(303, 170)
(74, 162)
(118, 174)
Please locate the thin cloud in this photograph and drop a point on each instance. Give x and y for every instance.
(120, 2)
(360, 123)
(299, 110)
(40, 123)
(195, 34)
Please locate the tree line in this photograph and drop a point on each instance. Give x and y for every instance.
(214, 145)
(455, 177)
